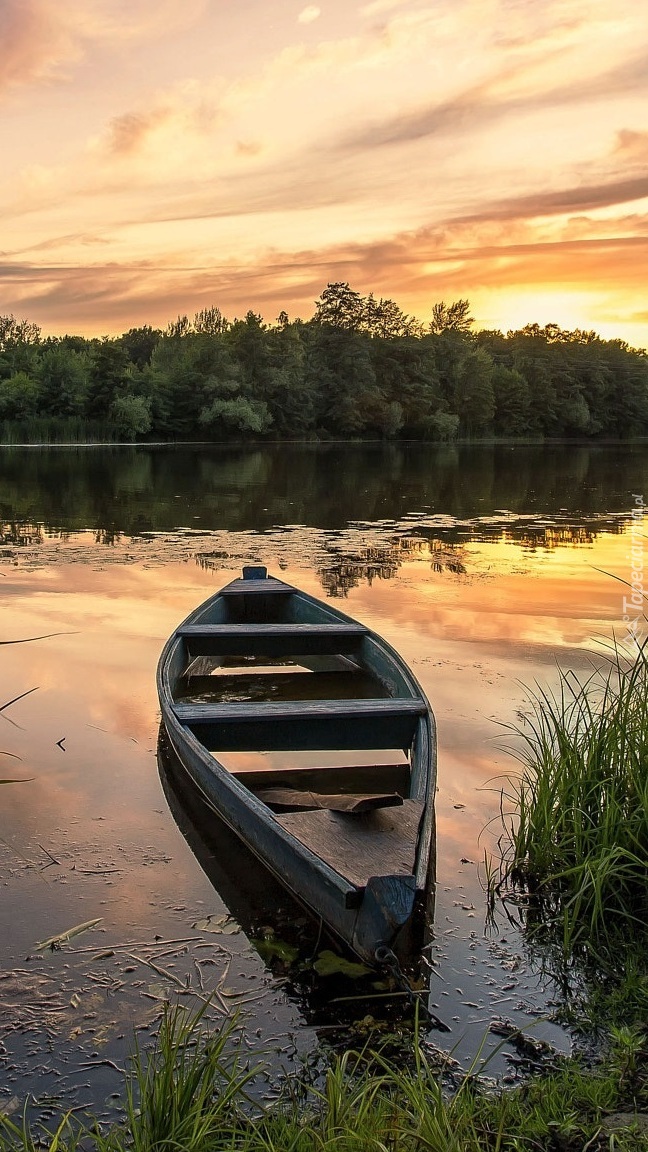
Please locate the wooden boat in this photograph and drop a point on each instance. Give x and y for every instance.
(264, 667)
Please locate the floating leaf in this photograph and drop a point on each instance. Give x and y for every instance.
(221, 925)
(56, 942)
(276, 949)
(159, 991)
(328, 964)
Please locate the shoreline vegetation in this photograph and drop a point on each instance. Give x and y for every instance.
(575, 853)
(360, 369)
(193, 1090)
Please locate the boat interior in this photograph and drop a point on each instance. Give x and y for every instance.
(312, 716)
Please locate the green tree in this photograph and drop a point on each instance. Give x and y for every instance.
(108, 375)
(131, 416)
(474, 395)
(210, 322)
(340, 306)
(340, 365)
(19, 397)
(406, 374)
(444, 425)
(454, 317)
(19, 345)
(248, 341)
(291, 391)
(139, 344)
(64, 377)
(512, 401)
(238, 414)
(384, 319)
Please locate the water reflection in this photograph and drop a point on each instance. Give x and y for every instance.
(348, 564)
(21, 535)
(117, 490)
(290, 940)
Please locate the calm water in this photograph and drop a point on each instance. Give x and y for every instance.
(483, 566)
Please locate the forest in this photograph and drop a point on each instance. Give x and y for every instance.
(360, 368)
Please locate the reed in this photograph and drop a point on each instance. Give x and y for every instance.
(185, 1093)
(58, 430)
(578, 841)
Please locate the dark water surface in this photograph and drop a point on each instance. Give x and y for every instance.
(483, 566)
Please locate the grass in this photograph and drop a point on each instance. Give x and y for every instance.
(577, 843)
(190, 1093)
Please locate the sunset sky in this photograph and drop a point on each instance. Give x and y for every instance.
(159, 157)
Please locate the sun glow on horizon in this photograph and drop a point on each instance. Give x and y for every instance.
(246, 157)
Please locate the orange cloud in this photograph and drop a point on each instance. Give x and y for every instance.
(425, 154)
(40, 37)
(127, 132)
(632, 147)
(35, 41)
(144, 292)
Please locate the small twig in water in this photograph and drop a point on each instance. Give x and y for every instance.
(99, 1063)
(17, 698)
(160, 971)
(30, 639)
(52, 858)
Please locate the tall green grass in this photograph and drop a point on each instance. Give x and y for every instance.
(186, 1092)
(188, 1095)
(578, 840)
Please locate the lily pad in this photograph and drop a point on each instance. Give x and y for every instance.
(328, 964)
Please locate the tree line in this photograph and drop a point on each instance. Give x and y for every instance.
(360, 368)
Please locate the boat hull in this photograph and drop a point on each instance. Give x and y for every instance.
(379, 910)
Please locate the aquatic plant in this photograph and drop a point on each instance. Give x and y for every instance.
(186, 1092)
(577, 839)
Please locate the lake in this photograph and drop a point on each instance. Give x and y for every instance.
(487, 567)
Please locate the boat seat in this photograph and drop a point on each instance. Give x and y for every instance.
(269, 587)
(271, 639)
(331, 779)
(298, 725)
(294, 800)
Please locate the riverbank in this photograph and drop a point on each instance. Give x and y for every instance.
(192, 1091)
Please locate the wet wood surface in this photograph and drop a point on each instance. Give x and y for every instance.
(279, 685)
(302, 724)
(293, 799)
(339, 778)
(378, 843)
(271, 639)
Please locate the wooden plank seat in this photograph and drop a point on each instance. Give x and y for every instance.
(332, 778)
(271, 639)
(293, 800)
(303, 724)
(270, 587)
